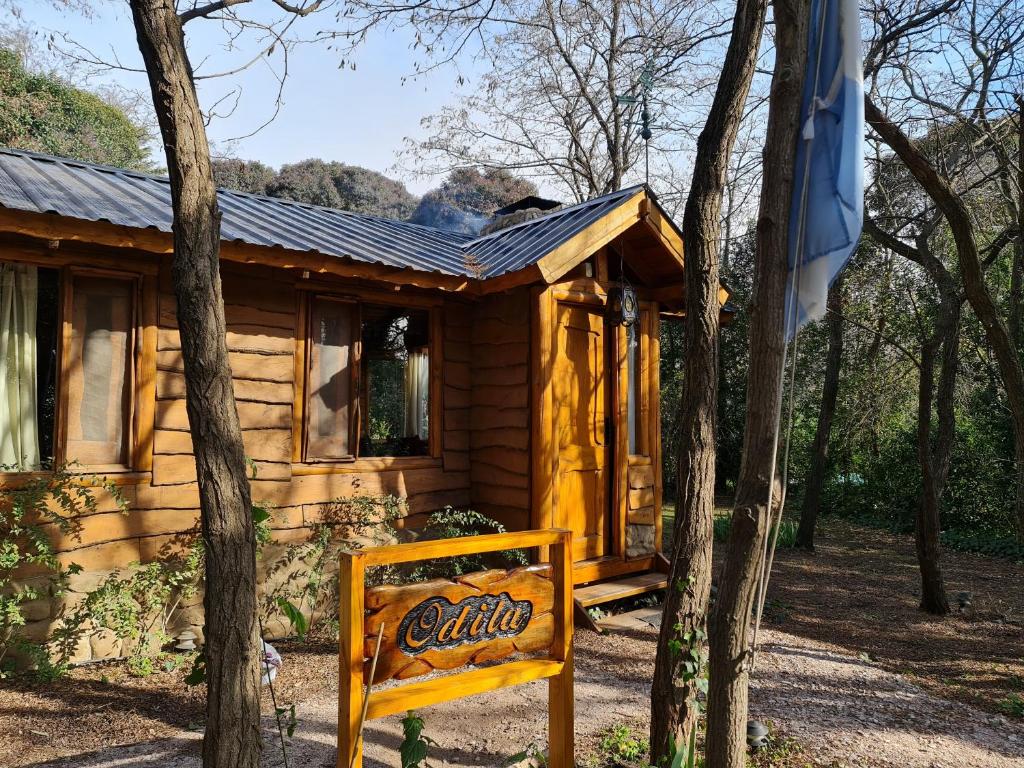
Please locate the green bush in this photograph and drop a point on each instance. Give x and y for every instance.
(787, 531)
(47, 504)
(43, 113)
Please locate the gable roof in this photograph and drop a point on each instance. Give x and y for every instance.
(97, 193)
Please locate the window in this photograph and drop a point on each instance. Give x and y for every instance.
(99, 370)
(636, 386)
(368, 387)
(66, 367)
(330, 379)
(633, 358)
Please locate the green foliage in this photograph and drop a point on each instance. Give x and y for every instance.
(348, 187)
(685, 756)
(1012, 705)
(46, 507)
(261, 516)
(197, 675)
(308, 594)
(992, 544)
(42, 113)
(619, 746)
(138, 606)
(413, 749)
(787, 531)
(451, 523)
(291, 722)
(242, 175)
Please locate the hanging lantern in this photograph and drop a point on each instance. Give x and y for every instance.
(625, 309)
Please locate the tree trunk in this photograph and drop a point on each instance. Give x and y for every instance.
(232, 642)
(1016, 298)
(829, 395)
(730, 619)
(677, 671)
(938, 188)
(926, 525)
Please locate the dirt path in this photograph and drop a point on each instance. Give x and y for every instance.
(850, 669)
(843, 711)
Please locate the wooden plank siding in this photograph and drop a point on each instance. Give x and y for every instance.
(499, 419)
(261, 316)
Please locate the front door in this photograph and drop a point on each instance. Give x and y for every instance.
(581, 396)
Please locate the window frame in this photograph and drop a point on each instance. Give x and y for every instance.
(302, 463)
(642, 384)
(141, 378)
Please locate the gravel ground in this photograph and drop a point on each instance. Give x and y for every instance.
(850, 669)
(843, 712)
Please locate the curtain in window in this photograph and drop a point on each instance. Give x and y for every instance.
(99, 371)
(19, 430)
(417, 388)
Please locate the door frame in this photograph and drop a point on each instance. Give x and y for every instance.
(592, 294)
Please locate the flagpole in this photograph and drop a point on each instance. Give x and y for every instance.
(768, 552)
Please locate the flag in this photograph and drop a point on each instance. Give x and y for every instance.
(828, 192)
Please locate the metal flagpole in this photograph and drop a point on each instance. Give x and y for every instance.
(775, 518)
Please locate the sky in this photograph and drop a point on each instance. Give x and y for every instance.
(360, 117)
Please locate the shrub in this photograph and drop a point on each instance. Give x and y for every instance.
(620, 747)
(787, 531)
(138, 607)
(30, 516)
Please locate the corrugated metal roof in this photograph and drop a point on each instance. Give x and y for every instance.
(78, 190)
(512, 249)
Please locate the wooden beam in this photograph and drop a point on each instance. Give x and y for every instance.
(418, 695)
(466, 545)
(656, 221)
(48, 226)
(570, 253)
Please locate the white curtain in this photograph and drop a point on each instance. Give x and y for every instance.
(417, 388)
(19, 432)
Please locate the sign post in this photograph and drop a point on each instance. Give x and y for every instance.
(448, 624)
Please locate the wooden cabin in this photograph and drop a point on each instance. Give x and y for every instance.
(369, 356)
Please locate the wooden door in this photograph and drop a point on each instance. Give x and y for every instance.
(581, 396)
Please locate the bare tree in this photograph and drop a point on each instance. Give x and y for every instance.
(960, 113)
(730, 618)
(232, 645)
(680, 660)
(561, 99)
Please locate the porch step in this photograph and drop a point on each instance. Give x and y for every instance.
(616, 589)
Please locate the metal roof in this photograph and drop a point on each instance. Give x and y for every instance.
(518, 246)
(79, 190)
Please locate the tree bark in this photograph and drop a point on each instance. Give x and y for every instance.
(934, 461)
(679, 664)
(938, 188)
(1016, 298)
(829, 395)
(730, 619)
(232, 643)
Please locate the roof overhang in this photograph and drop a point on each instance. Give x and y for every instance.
(638, 229)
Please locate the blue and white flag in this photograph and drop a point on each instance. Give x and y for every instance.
(830, 212)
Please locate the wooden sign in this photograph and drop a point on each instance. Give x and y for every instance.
(444, 624)
(441, 625)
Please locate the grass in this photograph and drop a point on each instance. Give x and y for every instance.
(1012, 705)
(622, 746)
(787, 531)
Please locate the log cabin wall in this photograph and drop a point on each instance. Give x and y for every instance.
(262, 309)
(499, 423)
